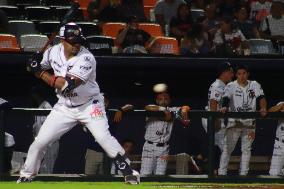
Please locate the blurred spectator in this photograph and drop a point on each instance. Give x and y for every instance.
(199, 4)
(246, 26)
(105, 10)
(4, 24)
(210, 22)
(51, 152)
(158, 131)
(115, 10)
(272, 27)
(128, 145)
(227, 8)
(228, 40)
(259, 10)
(132, 7)
(165, 10)
(180, 24)
(133, 40)
(196, 41)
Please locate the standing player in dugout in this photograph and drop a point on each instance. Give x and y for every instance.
(79, 101)
(241, 95)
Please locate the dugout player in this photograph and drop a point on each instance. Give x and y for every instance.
(80, 101)
(157, 135)
(215, 93)
(241, 95)
(277, 160)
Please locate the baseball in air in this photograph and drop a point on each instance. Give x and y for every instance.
(159, 88)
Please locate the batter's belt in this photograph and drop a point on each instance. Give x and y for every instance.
(158, 143)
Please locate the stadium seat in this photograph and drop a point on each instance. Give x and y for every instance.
(196, 13)
(83, 5)
(149, 2)
(32, 42)
(47, 27)
(12, 12)
(147, 13)
(89, 28)
(111, 29)
(21, 27)
(261, 46)
(281, 47)
(100, 44)
(154, 30)
(165, 45)
(8, 43)
(60, 12)
(38, 13)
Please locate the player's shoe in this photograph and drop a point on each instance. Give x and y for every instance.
(23, 180)
(133, 179)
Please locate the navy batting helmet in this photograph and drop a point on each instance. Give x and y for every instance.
(72, 33)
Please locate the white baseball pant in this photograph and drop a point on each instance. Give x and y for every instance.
(62, 119)
(232, 135)
(154, 159)
(277, 160)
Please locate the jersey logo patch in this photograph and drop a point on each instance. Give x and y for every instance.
(251, 94)
(87, 58)
(97, 113)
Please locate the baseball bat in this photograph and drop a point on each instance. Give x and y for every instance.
(71, 12)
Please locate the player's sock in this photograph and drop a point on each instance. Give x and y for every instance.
(122, 165)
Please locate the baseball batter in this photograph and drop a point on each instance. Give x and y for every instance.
(241, 95)
(157, 136)
(277, 160)
(215, 93)
(79, 100)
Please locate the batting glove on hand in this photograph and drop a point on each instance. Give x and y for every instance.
(33, 64)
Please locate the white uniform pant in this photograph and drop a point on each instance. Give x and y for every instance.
(277, 160)
(231, 138)
(154, 159)
(62, 119)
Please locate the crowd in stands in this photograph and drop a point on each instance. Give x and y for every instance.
(181, 27)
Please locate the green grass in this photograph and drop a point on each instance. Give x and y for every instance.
(120, 185)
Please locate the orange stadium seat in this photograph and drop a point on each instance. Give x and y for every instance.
(112, 28)
(165, 45)
(8, 43)
(147, 10)
(154, 30)
(149, 2)
(83, 5)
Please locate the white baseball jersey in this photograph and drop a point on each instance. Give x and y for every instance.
(243, 99)
(157, 130)
(82, 66)
(216, 92)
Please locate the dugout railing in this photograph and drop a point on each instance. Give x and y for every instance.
(211, 116)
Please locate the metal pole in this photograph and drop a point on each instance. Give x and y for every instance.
(211, 137)
(2, 141)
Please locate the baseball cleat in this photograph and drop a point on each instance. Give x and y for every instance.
(132, 179)
(23, 179)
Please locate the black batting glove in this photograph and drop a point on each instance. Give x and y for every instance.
(33, 64)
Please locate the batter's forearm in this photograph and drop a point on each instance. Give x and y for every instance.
(51, 80)
(213, 105)
(154, 108)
